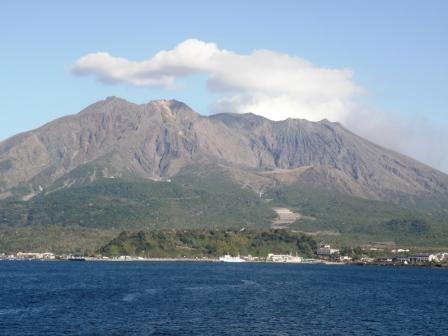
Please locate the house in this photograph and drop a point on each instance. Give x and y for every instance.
(325, 250)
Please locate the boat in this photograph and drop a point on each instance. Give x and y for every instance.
(76, 258)
(229, 258)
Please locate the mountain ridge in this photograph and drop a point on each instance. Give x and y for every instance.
(155, 140)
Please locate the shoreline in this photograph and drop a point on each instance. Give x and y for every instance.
(217, 261)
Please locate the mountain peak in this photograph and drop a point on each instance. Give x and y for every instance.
(158, 139)
(114, 99)
(172, 108)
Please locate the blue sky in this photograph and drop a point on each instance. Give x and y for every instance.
(397, 50)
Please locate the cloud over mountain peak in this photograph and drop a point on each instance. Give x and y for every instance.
(268, 83)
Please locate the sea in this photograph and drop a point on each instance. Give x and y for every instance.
(194, 298)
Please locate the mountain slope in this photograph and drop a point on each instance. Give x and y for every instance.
(115, 154)
(157, 139)
(211, 201)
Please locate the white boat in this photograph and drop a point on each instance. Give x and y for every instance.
(229, 258)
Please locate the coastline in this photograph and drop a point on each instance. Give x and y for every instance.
(217, 261)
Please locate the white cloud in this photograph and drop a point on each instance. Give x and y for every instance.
(276, 86)
(267, 83)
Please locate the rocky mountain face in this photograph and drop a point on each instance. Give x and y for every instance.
(114, 138)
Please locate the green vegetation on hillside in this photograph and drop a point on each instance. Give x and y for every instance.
(206, 197)
(360, 220)
(206, 201)
(208, 243)
(54, 238)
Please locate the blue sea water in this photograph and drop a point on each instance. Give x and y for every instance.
(169, 298)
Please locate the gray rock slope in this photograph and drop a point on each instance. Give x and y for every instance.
(115, 138)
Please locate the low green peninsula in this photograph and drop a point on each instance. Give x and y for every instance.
(208, 243)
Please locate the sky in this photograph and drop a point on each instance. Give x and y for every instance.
(378, 67)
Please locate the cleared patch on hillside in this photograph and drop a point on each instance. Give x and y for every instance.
(285, 217)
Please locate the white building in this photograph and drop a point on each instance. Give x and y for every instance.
(35, 255)
(286, 258)
(442, 256)
(29, 255)
(424, 257)
(326, 251)
(48, 255)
